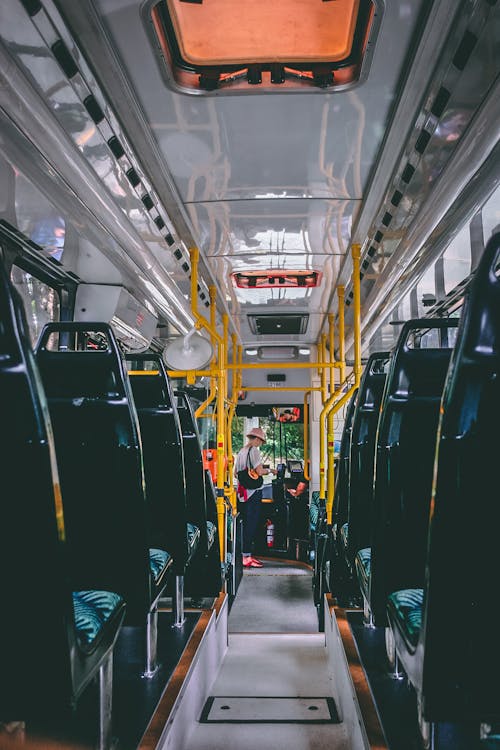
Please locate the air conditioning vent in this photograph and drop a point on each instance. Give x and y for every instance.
(277, 353)
(275, 325)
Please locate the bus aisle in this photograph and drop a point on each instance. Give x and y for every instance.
(275, 683)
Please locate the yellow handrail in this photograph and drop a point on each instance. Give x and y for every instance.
(334, 403)
(305, 414)
(330, 472)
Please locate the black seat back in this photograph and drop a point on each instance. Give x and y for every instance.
(361, 463)
(339, 573)
(163, 455)
(341, 496)
(37, 627)
(100, 461)
(462, 567)
(203, 577)
(406, 440)
(193, 467)
(210, 497)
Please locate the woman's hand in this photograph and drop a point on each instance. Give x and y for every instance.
(268, 470)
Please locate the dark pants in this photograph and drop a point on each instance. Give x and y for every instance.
(250, 512)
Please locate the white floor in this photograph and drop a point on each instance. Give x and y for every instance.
(272, 664)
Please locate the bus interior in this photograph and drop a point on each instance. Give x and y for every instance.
(218, 217)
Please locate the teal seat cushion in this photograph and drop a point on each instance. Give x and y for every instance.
(314, 510)
(92, 610)
(211, 529)
(344, 535)
(492, 741)
(193, 534)
(363, 563)
(158, 561)
(405, 611)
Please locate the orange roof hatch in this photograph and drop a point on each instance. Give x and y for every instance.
(222, 45)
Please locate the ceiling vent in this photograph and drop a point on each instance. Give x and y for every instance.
(275, 325)
(219, 45)
(277, 353)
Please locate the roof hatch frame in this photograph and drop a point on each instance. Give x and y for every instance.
(264, 76)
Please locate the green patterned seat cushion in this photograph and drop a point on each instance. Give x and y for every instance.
(492, 741)
(314, 510)
(158, 561)
(405, 608)
(363, 563)
(211, 529)
(193, 534)
(92, 609)
(344, 535)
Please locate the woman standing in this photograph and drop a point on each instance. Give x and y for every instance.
(249, 501)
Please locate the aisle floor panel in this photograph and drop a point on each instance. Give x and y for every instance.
(275, 651)
(275, 599)
(258, 709)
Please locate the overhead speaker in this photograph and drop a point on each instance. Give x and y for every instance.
(189, 352)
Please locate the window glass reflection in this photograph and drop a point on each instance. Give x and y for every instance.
(457, 259)
(491, 215)
(41, 302)
(50, 233)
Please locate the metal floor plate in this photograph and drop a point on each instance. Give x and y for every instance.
(260, 709)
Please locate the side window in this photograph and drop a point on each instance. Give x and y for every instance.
(41, 302)
(457, 259)
(491, 215)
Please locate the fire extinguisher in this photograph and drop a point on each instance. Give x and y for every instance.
(270, 533)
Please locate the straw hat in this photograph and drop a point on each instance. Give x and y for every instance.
(256, 432)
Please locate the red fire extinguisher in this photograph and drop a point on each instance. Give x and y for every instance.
(270, 533)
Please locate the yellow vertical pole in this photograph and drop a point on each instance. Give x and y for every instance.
(305, 415)
(201, 322)
(324, 373)
(338, 400)
(230, 416)
(356, 287)
(341, 295)
(321, 427)
(331, 347)
(221, 429)
(330, 436)
(215, 343)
